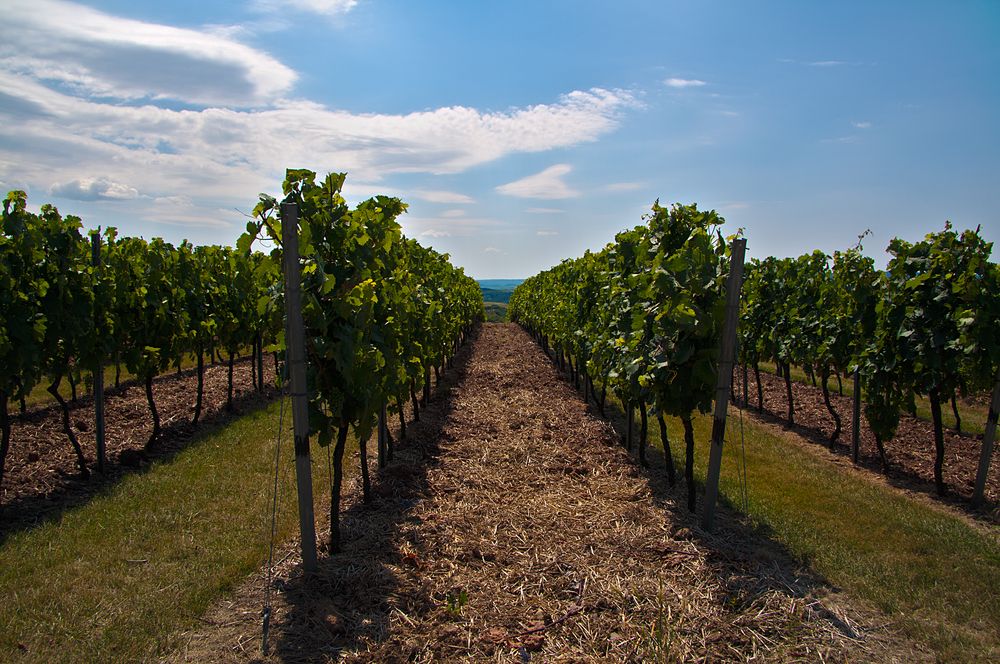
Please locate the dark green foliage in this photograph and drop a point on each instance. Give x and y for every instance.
(645, 313)
(379, 310)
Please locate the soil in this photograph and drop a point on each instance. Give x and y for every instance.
(511, 526)
(41, 478)
(910, 453)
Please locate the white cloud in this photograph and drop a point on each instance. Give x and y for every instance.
(623, 186)
(492, 250)
(546, 233)
(90, 101)
(191, 220)
(225, 156)
(684, 83)
(182, 211)
(827, 63)
(546, 185)
(92, 189)
(862, 125)
(95, 54)
(544, 210)
(321, 7)
(451, 214)
(439, 227)
(450, 197)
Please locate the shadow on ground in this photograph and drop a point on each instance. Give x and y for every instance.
(898, 475)
(346, 603)
(29, 511)
(747, 559)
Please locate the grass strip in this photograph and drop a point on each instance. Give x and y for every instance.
(973, 415)
(118, 578)
(928, 569)
(40, 396)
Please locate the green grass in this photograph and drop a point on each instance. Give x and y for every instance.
(973, 415)
(496, 312)
(40, 396)
(928, 569)
(115, 579)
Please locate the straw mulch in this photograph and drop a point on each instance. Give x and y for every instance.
(512, 527)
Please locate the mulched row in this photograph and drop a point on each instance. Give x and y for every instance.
(512, 527)
(910, 453)
(42, 479)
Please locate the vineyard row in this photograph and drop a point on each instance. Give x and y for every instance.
(644, 316)
(382, 312)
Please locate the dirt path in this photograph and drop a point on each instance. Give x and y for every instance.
(511, 528)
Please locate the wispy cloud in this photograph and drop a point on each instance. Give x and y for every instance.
(624, 186)
(544, 210)
(840, 139)
(95, 54)
(546, 233)
(453, 213)
(321, 7)
(823, 63)
(545, 185)
(862, 125)
(448, 227)
(98, 101)
(450, 197)
(220, 155)
(684, 83)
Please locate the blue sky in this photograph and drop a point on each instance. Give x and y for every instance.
(520, 133)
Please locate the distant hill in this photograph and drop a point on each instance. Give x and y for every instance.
(498, 290)
(500, 284)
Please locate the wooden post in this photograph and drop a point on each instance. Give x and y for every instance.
(383, 442)
(726, 358)
(989, 437)
(95, 249)
(295, 347)
(856, 418)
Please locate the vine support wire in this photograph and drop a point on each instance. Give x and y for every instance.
(383, 437)
(741, 470)
(744, 480)
(856, 417)
(988, 439)
(731, 434)
(95, 248)
(726, 359)
(266, 614)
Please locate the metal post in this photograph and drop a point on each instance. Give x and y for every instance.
(296, 349)
(726, 358)
(989, 437)
(856, 418)
(95, 248)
